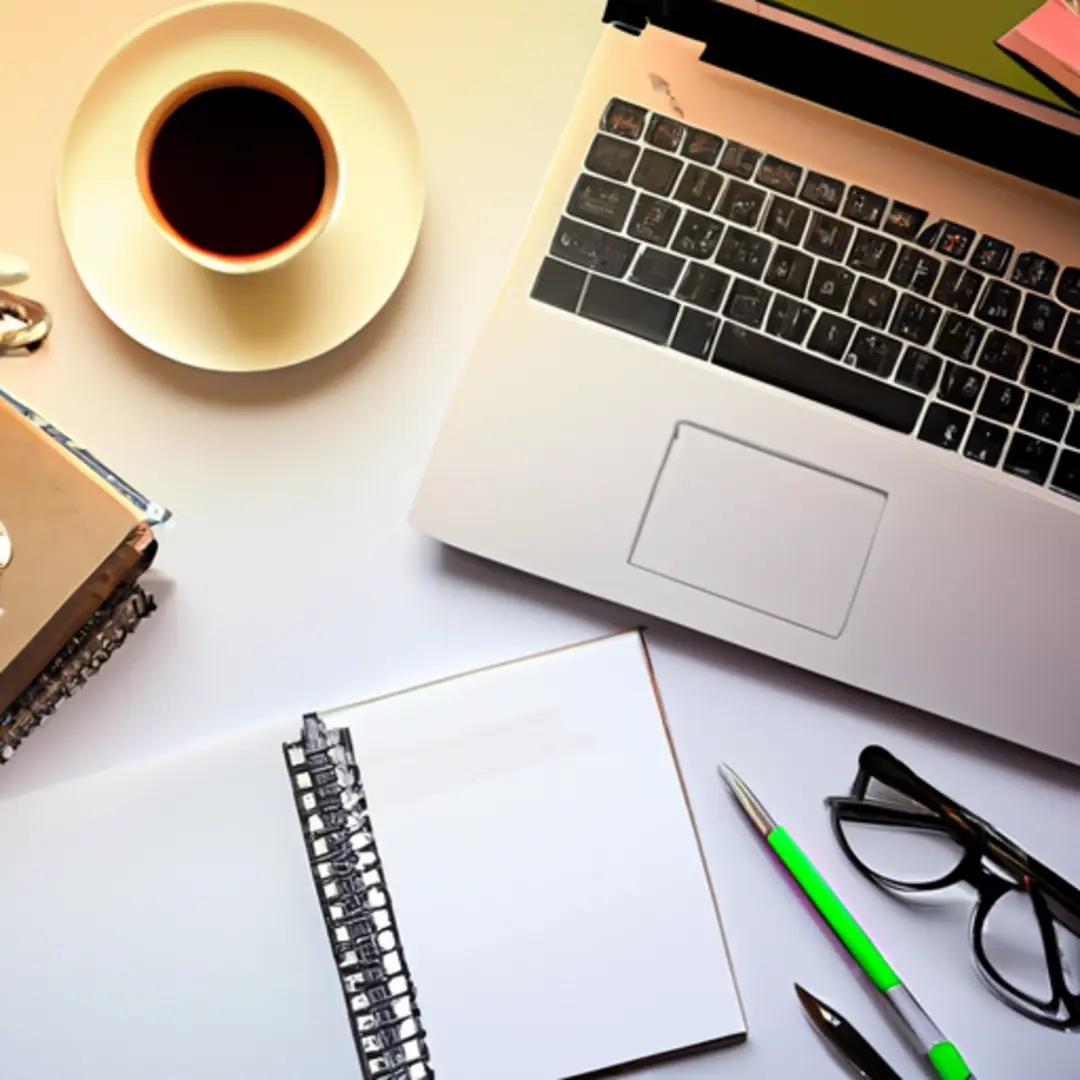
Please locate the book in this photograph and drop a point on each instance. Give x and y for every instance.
(74, 541)
(496, 874)
(1047, 44)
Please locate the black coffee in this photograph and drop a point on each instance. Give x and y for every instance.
(237, 170)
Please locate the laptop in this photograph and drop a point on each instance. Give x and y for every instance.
(790, 354)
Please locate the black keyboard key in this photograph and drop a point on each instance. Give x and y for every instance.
(698, 236)
(741, 203)
(999, 305)
(1003, 355)
(919, 370)
(622, 118)
(558, 284)
(702, 147)
(828, 236)
(656, 172)
(864, 207)
(695, 333)
(960, 385)
(789, 319)
(601, 202)
(789, 368)
(592, 248)
(704, 286)
(653, 220)
(1045, 417)
(944, 427)
(822, 191)
(789, 270)
(739, 160)
(785, 220)
(1029, 458)
(623, 307)
(955, 240)
(1068, 287)
(1072, 436)
(1035, 271)
(873, 352)
(610, 157)
(744, 251)
(991, 255)
(904, 221)
(831, 286)
(915, 270)
(1070, 337)
(831, 335)
(1001, 401)
(930, 235)
(916, 319)
(779, 175)
(657, 270)
(958, 287)
(746, 303)
(699, 187)
(872, 253)
(1040, 320)
(986, 443)
(872, 303)
(1067, 474)
(1054, 375)
(959, 338)
(665, 133)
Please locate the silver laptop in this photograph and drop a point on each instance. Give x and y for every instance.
(790, 354)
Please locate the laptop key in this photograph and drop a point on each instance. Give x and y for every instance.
(1051, 374)
(779, 175)
(915, 270)
(702, 147)
(665, 133)
(864, 206)
(592, 248)
(600, 202)
(657, 270)
(1001, 401)
(831, 336)
(919, 370)
(744, 251)
(624, 307)
(1029, 458)
(741, 203)
(991, 255)
(1067, 474)
(831, 286)
(782, 365)
(955, 240)
(656, 172)
(789, 319)
(699, 187)
(872, 253)
(986, 443)
(828, 236)
(746, 303)
(873, 352)
(702, 285)
(1070, 337)
(959, 338)
(740, 160)
(1035, 271)
(789, 270)
(1068, 287)
(958, 287)
(1072, 436)
(999, 305)
(1040, 320)
(695, 333)
(1044, 416)
(785, 220)
(960, 385)
(1003, 355)
(698, 236)
(622, 118)
(823, 191)
(610, 157)
(872, 303)
(558, 284)
(915, 319)
(904, 221)
(944, 426)
(653, 220)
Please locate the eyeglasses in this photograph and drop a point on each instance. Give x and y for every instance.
(908, 837)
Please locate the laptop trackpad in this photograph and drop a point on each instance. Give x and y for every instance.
(761, 530)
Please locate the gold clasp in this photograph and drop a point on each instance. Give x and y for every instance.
(35, 318)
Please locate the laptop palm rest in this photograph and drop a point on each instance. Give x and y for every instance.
(769, 533)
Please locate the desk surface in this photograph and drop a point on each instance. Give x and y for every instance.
(291, 580)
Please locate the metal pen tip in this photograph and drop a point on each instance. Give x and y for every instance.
(809, 1003)
(757, 813)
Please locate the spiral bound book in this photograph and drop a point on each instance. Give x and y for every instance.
(492, 875)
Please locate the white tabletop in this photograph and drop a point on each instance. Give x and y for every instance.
(291, 581)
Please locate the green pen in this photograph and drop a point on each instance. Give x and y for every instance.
(943, 1055)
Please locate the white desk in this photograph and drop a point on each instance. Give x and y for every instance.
(291, 581)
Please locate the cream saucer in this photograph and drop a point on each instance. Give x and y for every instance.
(281, 316)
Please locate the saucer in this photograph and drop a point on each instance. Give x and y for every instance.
(282, 316)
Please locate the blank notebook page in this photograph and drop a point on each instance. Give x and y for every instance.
(549, 891)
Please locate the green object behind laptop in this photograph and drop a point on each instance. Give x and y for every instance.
(960, 34)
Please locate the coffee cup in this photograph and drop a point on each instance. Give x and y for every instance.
(238, 171)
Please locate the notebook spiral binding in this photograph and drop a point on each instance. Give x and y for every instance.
(355, 901)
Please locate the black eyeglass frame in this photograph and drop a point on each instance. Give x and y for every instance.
(1052, 897)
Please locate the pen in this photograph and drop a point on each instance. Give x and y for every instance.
(943, 1055)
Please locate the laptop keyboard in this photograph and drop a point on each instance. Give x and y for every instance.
(824, 289)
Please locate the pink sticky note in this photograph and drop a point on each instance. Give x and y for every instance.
(1049, 40)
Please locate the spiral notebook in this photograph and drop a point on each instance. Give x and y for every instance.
(492, 875)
